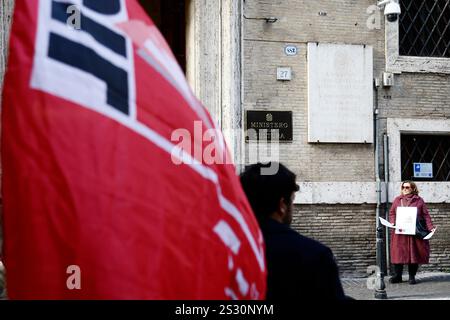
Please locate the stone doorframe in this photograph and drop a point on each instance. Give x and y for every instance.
(214, 64)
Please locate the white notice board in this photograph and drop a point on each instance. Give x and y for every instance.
(340, 93)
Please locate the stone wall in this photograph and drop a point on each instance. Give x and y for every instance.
(298, 23)
(440, 243)
(349, 230)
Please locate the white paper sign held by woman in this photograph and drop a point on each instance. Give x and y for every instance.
(405, 220)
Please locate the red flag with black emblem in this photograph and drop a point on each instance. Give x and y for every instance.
(106, 190)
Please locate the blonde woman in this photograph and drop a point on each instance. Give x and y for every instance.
(409, 249)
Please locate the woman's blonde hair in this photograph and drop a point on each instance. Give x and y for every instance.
(414, 189)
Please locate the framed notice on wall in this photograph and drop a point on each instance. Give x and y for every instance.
(340, 93)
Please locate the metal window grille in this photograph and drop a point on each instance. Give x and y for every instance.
(424, 27)
(433, 149)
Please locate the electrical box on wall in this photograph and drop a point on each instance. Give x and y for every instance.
(284, 73)
(388, 79)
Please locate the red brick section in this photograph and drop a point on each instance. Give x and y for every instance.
(349, 230)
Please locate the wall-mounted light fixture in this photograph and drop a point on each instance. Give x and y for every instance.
(267, 19)
(271, 19)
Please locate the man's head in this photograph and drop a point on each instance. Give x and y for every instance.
(270, 196)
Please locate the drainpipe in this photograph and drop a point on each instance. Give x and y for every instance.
(386, 185)
(380, 288)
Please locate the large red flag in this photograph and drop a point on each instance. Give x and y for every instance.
(103, 197)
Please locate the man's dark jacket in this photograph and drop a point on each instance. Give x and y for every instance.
(298, 267)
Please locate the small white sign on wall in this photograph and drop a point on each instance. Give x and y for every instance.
(284, 73)
(423, 170)
(290, 50)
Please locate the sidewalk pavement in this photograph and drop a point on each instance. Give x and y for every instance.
(430, 286)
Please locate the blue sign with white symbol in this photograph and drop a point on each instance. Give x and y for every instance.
(423, 170)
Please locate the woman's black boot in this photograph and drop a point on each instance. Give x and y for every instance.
(397, 277)
(412, 270)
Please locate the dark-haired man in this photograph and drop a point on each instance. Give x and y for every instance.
(298, 267)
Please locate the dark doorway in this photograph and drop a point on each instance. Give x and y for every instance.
(170, 18)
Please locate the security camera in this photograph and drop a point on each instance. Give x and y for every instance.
(392, 9)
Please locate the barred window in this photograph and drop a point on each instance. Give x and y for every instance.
(424, 28)
(424, 150)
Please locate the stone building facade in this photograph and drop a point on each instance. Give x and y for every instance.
(232, 51)
(337, 202)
